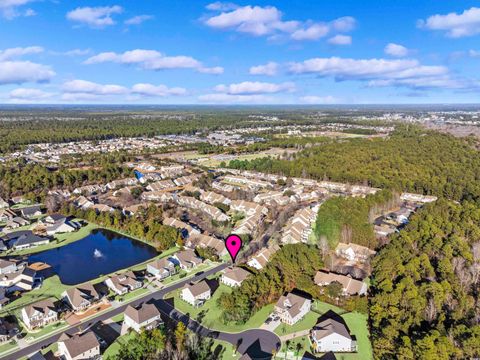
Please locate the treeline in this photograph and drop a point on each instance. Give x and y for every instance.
(27, 178)
(412, 159)
(144, 225)
(348, 219)
(166, 344)
(426, 284)
(293, 266)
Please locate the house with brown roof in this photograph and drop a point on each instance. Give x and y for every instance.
(205, 241)
(354, 252)
(234, 276)
(186, 259)
(211, 197)
(292, 307)
(161, 268)
(350, 286)
(39, 314)
(142, 317)
(124, 283)
(261, 258)
(180, 225)
(81, 297)
(79, 347)
(332, 334)
(196, 294)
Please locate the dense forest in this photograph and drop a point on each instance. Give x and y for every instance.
(348, 219)
(412, 159)
(425, 287)
(293, 266)
(166, 344)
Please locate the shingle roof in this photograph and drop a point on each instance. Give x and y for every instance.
(79, 344)
(142, 313)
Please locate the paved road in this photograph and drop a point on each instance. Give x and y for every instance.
(258, 343)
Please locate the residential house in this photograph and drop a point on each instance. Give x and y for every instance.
(124, 283)
(211, 197)
(79, 347)
(27, 240)
(99, 208)
(332, 334)
(163, 185)
(249, 224)
(57, 224)
(18, 199)
(121, 183)
(31, 211)
(272, 198)
(133, 209)
(350, 286)
(196, 294)
(205, 241)
(261, 258)
(3, 204)
(19, 277)
(234, 277)
(157, 196)
(354, 252)
(222, 187)
(7, 330)
(142, 317)
(212, 211)
(249, 208)
(39, 314)
(417, 198)
(81, 297)
(17, 222)
(185, 228)
(299, 227)
(186, 259)
(7, 267)
(184, 180)
(83, 203)
(292, 308)
(161, 268)
(89, 190)
(6, 214)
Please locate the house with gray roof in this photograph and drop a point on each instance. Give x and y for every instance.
(143, 317)
(292, 308)
(39, 314)
(79, 347)
(332, 334)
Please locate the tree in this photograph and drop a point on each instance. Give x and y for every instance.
(180, 336)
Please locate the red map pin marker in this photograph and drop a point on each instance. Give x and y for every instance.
(233, 243)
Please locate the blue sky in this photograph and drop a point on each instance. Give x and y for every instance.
(242, 52)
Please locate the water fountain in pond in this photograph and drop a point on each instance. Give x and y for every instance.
(97, 254)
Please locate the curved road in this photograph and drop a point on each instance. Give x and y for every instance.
(259, 344)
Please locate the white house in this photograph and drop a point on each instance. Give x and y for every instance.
(123, 283)
(350, 286)
(291, 308)
(260, 259)
(39, 314)
(79, 347)
(145, 316)
(161, 268)
(234, 277)
(186, 259)
(332, 334)
(196, 294)
(354, 252)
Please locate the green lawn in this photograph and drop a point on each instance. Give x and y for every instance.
(209, 313)
(51, 288)
(9, 346)
(356, 322)
(112, 350)
(225, 349)
(60, 240)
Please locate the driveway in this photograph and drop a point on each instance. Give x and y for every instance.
(258, 343)
(272, 325)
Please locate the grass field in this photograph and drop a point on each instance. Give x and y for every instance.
(112, 350)
(356, 322)
(210, 314)
(225, 350)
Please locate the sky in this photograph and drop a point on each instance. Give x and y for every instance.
(241, 52)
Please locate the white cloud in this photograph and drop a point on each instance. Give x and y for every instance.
(235, 99)
(396, 50)
(88, 87)
(157, 90)
(137, 20)
(312, 99)
(269, 69)
(29, 13)
(381, 72)
(29, 95)
(77, 52)
(267, 20)
(11, 53)
(344, 24)
(153, 60)
(340, 40)
(9, 8)
(96, 17)
(474, 53)
(79, 90)
(456, 25)
(313, 32)
(255, 87)
(18, 72)
(221, 6)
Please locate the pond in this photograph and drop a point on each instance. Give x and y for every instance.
(101, 252)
